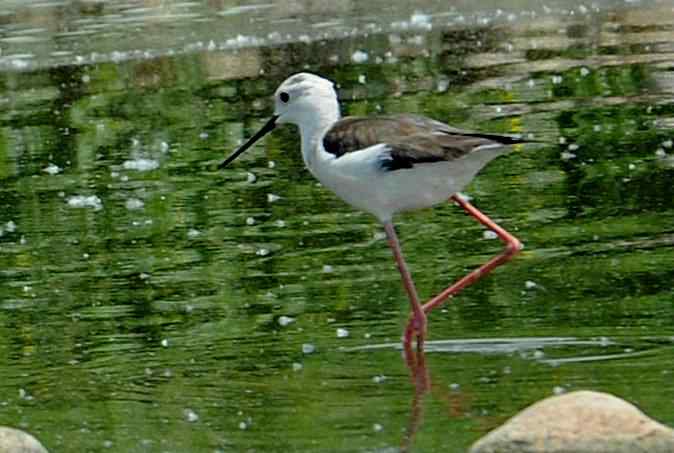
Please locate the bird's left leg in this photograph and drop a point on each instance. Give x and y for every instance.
(417, 323)
(512, 247)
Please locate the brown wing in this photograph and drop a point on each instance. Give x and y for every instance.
(412, 139)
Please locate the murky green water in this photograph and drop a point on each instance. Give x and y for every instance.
(151, 303)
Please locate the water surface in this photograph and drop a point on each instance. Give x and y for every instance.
(149, 302)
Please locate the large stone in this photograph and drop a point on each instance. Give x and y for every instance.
(17, 441)
(579, 422)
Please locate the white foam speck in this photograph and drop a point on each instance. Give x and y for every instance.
(667, 143)
(262, 252)
(134, 203)
(141, 164)
(250, 178)
(557, 79)
(558, 390)
(83, 201)
(359, 56)
(660, 152)
(378, 379)
(250, 221)
(10, 226)
(327, 269)
(272, 197)
(52, 169)
(297, 366)
(190, 415)
(565, 155)
(308, 348)
(377, 427)
(342, 333)
(165, 343)
(442, 85)
(530, 285)
(489, 234)
(362, 79)
(285, 320)
(193, 233)
(584, 71)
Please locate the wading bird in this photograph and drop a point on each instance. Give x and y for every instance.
(388, 164)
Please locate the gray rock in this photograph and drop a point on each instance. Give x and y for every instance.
(17, 441)
(579, 422)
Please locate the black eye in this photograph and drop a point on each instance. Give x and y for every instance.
(284, 97)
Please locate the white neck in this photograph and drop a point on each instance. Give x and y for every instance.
(314, 128)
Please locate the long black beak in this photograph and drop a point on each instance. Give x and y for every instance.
(268, 127)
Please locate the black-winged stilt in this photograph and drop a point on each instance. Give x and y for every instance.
(388, 164)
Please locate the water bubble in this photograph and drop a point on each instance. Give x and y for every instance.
(141, 164)
(379, 379)
(489, 234)
(359, 56)
(52, 169)
(308, 348)
(133, 204)
(190, 415)
(285, 320)
(342, 333)
(83, 201)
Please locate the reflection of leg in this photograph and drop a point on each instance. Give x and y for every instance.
(417, 323)
(422, 385)
(513, 246)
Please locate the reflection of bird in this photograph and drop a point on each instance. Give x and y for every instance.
(388, 164)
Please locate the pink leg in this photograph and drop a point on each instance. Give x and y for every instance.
(418, 321)
(513, 246)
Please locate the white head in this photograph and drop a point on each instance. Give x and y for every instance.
(303, 98)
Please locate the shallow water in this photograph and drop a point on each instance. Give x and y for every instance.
(149, 302)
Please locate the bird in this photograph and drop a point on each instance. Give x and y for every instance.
(388, 164)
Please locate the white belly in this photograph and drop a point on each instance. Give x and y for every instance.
(361, 182)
